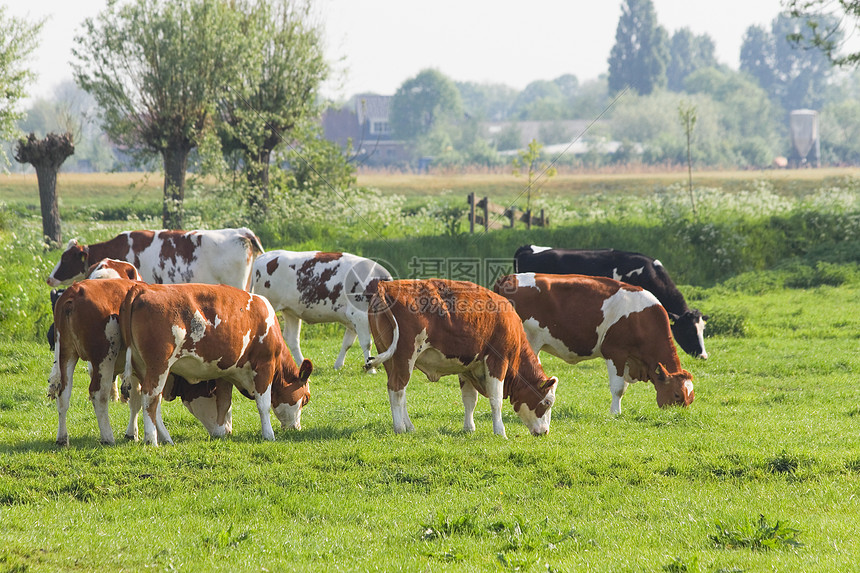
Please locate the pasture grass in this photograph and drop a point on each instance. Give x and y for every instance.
(761, 473)
(771, 439)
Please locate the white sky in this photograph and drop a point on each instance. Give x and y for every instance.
(379, 44)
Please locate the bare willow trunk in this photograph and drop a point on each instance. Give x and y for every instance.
(47, 156)
(175, 164)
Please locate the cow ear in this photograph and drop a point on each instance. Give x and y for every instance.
(706, 318)
(673, 316)
(661, 374)
(547, 384)
(305, 370)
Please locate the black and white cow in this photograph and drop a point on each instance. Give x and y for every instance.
(688, 325)
(314, 287)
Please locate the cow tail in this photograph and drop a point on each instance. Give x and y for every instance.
(125, 331)
(381, 304)
(255, 249)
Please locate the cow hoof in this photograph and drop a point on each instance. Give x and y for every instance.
(63, 442)
(130, 438)
(370, 370)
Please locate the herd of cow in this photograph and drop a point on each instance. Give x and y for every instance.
(193, 314)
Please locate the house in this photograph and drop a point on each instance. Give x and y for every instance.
(362, 129)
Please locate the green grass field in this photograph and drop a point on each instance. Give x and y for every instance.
(761, 473)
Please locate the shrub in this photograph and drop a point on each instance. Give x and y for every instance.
(759, 536)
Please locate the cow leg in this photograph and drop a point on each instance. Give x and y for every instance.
(224, 398)
(495, 393)
(292, 329)
(402, 423)
(348, 338)
(617, 386)
(470, 399)
(63, 400)
(365, 341)
(134, 405)
(102, 384)
(264, 403)
(60, 386)
(153, 426)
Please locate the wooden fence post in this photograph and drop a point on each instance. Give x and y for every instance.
(486, 214)
(471, 200)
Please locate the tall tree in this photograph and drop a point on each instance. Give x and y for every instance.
(18, 39)
(428, 100)
(795, 76)
(46, 156)
(826, 22)
(156, 69)
(281, 90)
(640, 54)
(758, 56)
(688, 53)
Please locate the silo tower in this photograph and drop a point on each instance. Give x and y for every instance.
(805, 145)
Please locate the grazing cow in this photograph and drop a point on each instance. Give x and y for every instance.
(452, 327)
(688, 325)
(203, 332)
(87, 328)
(222, 256)
(113, 269)
(577, 317)
(319, 287)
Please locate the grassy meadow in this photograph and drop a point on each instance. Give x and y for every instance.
(761, 473)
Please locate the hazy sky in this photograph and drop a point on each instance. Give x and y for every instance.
(376, 45)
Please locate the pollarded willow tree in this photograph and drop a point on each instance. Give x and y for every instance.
(18, 39)
(156, 69)
(277, 95)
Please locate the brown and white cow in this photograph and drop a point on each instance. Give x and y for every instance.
(447, 327)
(221, 256)
(204, 332)
(113, 269)
(86, 328)
(314, 287)
(576, 318)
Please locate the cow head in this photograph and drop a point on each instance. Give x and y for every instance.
(291, 392)
(689, 331)
(675, 388)
(536, 410)
(72, 265)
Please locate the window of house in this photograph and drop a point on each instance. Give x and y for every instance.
(379, 127)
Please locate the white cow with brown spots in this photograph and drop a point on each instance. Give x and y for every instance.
(205, 332)
(577, 318)
(446, 327)
(221, 256)
(315, 287)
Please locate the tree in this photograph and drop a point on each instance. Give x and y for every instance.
(687, 54)
(687, 115)
(796, 77)
(46, 156)
(531, 160)
(422, 103)
(757, 56)
(640, 54)
(18, 39)
(280, 91)
(156, 69)
(829, 36)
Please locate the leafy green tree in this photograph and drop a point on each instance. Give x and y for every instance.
(421, 103)
(825, 27)
(796, 77)
(532, 162)
(758, 55)
(280, 91)
(687, 54)
(640, 54)
(156, 69)
(490, 102)
(18, 39)
(541, 99)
